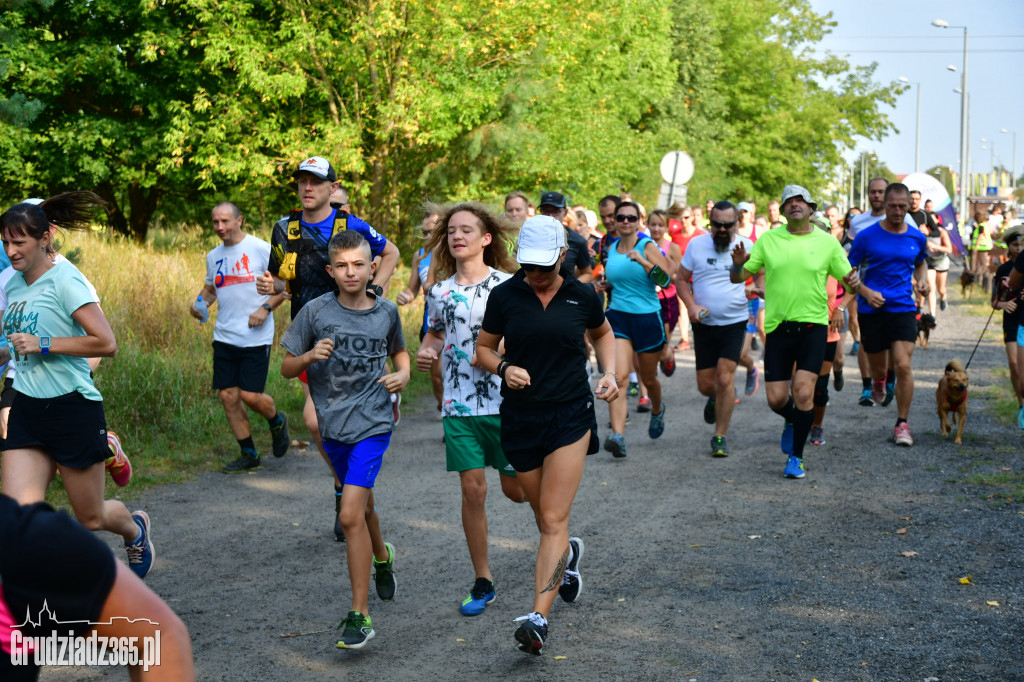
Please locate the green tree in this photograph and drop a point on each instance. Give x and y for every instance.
(92, 86)
(785, 115)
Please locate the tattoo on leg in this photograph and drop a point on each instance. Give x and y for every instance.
(556, 577)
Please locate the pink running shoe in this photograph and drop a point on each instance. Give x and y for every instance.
(118, 465)
(901, 434)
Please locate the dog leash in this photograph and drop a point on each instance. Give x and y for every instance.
(979, 339)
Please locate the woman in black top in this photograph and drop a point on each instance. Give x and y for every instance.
(548, 424)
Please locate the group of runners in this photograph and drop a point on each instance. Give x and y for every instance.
(527, 325)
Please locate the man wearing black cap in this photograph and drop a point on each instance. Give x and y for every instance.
(298, 260)
(299, 240)
(577, 257)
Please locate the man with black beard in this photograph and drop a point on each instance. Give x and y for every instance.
(718, 310)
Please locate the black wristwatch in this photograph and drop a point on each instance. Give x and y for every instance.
(375, 289)
(266, 306)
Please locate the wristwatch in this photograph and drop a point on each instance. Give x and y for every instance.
(44, 344)
(266, 306)
(375, 289)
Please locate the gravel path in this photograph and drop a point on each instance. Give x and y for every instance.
(695, 568)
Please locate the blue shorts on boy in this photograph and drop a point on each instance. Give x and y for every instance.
(357, 463)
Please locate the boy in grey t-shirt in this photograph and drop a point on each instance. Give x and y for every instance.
(343, 340)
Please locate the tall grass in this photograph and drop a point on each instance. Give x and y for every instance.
(156, 391)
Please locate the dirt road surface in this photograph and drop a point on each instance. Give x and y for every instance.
(695, 568)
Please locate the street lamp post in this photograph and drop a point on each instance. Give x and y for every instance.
(917, 131)
(1013, 178)
(963, 120)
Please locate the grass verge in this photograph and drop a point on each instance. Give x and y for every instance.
(157, 394)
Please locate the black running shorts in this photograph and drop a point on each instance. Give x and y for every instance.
(794, 343)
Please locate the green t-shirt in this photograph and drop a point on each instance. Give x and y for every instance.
(796, 268)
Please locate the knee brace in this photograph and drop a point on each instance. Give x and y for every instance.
(821, 391)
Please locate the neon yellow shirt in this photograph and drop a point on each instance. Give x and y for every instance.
(796, 268)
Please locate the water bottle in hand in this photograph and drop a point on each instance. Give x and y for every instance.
(202, 309)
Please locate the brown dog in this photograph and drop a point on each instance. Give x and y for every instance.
(966, 284)
(951, 397)
(925, 325)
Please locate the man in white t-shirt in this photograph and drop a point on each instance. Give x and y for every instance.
(242, 335)
(718, 310)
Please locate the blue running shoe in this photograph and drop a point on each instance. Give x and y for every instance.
(633, 390)
(855, 347)
(890, 393)
(616, 444)
(479, 597)
(865, 398)
(709, 411)
(1020, 418)
(657, 425)
(718, 447)
(140, 552)
(752, 382)
(794, 467)
(786, 442)
(280, 435)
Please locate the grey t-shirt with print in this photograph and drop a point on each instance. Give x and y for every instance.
(350, 405)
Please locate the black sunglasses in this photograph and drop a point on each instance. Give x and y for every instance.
(627, 218)
(715, 223)
(530, 267)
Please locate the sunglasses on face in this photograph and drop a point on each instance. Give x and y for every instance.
(530, 267)
(627, 218)
(715, 223)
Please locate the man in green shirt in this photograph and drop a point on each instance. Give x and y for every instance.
(797, 261)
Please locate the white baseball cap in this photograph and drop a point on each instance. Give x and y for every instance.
(541, 241)
(318, 166)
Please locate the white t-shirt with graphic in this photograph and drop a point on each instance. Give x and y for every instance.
(456, 312)
(726, 302)
(233, 270)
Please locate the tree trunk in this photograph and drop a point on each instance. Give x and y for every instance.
(115, 215)
(143, 204)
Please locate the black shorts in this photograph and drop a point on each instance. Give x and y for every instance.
(7, 396)
(528, 435)
(1009, 335)
(799, 343)
(713, 343)
(830, 351)
(70, 428)
(245, 368)
(879, 330)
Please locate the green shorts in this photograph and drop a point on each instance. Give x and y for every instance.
(475, 442)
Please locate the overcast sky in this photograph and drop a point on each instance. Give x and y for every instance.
(898, 35)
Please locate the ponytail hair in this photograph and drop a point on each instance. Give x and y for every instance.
(68, 211)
